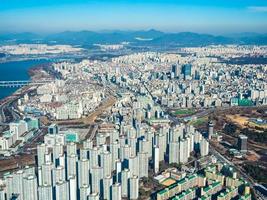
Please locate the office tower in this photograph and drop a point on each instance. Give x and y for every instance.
(58, 174)
(114, 149)
(41, 151)
(96, 178)
(125, 175)
(93, 196)
(210, 129)
(134, 187)
(30, 188)
(156, 159)
(133, 164)
(47, 173)
(71, 165)
(62, 190)
(45, 192)
(187, 71)
(174, 70)
(93, 155)
(106, 163)
(83, 172)
(107, 183)
(71, 148)
(100, 139)
(174, 153)
(84, 192)
(143, 164)
(116, 191)
(53, 129)
(242, 143)
(73, 187)
(118, 170)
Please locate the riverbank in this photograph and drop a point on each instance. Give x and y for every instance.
(16, 70)
(8, 105)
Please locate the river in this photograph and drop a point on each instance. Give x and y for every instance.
(16, 70)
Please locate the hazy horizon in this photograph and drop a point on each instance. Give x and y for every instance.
(214, 17)
(230, 34)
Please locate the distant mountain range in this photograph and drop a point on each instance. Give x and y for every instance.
(147, 38)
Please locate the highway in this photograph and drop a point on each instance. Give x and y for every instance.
(8, 107)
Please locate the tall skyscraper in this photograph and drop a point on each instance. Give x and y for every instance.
(187, 71)
(116, 191)
(93, 196)
(156, 159)
(45, 192)
(134, 187)
(47, 173)
(242, 143)
(204, 147)
(73, 187)
(106, 163)
(30, 188)
(125, 175)
(96, 178)
(84, 192)
(174, 154)
(41, 151)
(83, 172)
(174, 71)
(210, 129)
(107, 183)
(143, 164)
(62, 190)
(71, 165)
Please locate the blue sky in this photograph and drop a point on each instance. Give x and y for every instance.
(205, 16)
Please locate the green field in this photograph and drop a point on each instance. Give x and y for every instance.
(199, 121)
(184, 112)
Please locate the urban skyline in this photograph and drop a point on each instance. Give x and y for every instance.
(133, 100)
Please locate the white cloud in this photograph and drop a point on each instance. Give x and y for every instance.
(258, 8)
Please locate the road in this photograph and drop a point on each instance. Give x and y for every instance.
(220, 157)
(7, 106)
(247, 178)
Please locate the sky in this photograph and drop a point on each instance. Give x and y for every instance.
(203, 16)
